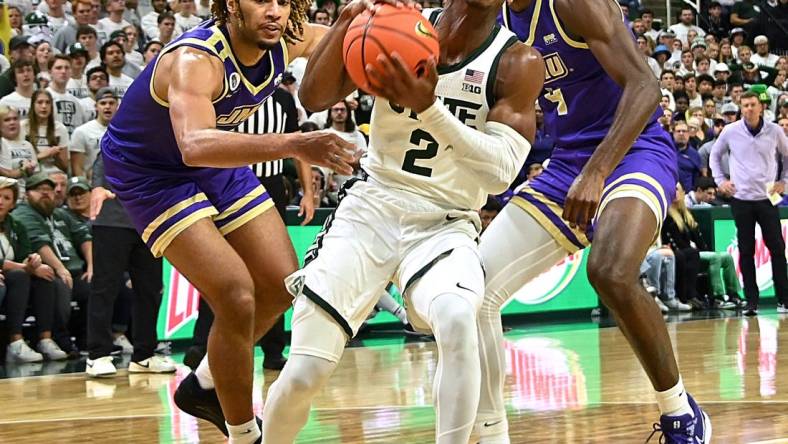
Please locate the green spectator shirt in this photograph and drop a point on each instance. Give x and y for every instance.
(62, 232)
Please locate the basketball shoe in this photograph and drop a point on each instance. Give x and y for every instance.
(685, 429)
(199, 402)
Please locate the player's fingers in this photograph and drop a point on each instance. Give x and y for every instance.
(398, 64)
(342, 167)
(431, 69)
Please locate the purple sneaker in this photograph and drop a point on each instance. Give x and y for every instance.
(685, 429)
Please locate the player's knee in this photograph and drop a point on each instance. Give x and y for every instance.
(608, 278)
(454, 322)
(308, 378)
(235, 302)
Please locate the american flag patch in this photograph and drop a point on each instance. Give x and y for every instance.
(474, 76)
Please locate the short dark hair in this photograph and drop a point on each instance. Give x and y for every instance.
(686, 8)
(96, 69)
(308, 127)
(704, 183)
(85, 30)
(492, 205)
(667, 71)
(57, 57)
(152, 42)
(164, 15)
(106, 46)
(750, 95)
(19, 64)
(680, 95)
(645, 11)
(321, 11)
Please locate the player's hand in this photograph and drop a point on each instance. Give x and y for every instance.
(356, 7)
(778, 188)
(393, 81)
(325, 149)
(728, 188)
(307, 210)
(583, 199)
(97, 197)
(44, 272)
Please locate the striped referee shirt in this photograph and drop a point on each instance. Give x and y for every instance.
(277, 115)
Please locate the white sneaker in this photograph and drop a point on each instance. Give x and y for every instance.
(154, 364)
(100, 368)
(51, 350)
(782, 308)
(675, 304)
(123, 342)
(19, 351)
(662, 307)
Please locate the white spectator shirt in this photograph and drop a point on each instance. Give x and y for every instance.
(187, 23)
(78, 87)
(14, 152)
(770, 60)
(18, 101)
(4, 63)
(135, 58)
(61, 139)
(86, 140)
(68, 110)
(89, 106)
(150, 25)
(92, 63)
(120, 84)
(681, 30)
(58, 23)
(107, 26)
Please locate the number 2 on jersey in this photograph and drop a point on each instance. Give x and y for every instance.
(411, 156)
(557, 97)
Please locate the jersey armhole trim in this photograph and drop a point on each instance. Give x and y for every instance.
(490, 87)
(191, 43)
(560, 27)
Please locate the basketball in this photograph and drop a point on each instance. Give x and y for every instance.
(385, 30)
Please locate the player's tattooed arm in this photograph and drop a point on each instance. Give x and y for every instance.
(600, 25)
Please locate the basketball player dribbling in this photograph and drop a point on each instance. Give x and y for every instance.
(612, 176)
(430, 165)
(184, 179)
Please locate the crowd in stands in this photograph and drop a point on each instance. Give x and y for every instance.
(70, 63)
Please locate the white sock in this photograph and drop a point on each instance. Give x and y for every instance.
(203, 374)
(674, 401)
(245, 433)
(388, 303)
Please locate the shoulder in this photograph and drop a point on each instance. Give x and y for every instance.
(520, 56)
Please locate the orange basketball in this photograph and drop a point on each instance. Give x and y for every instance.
(388, 29)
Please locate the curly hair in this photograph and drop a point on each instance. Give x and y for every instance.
(299, 14)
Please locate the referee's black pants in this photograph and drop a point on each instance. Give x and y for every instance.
(116, 250)
(746, 214)
(273, 343)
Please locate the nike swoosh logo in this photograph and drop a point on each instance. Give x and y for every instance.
(144, 365)
(490, 424)
(465, 288)
(450, 218)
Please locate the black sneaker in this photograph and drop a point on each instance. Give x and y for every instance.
(751, 309)
(199, 402)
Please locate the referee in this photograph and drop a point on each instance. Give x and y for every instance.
(278, 114)
(754, 145)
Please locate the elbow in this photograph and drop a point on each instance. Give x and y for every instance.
(651, 90)
(310, 101)
(191, 152)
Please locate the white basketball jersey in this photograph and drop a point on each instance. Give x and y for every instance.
(403, 155)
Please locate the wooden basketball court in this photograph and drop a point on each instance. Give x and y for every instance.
(568, 383)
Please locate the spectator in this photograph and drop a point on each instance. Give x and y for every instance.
(689, 159)
(43, 53)
(112, 56)
(718, 25)
(130, 69)
(704, 194)
(666, 120)
(26, 279)
(722, 72)
(97, 78)
(687, 64)
(659, 269)
(14, 20)
(185, 18)
(114, 20)
(167, 28)
(56, 235)
(85, 142)
(705, 85)
(322, 17)
(772, 23)
(754, 145)
(87, 37)
(736, 90)
(77, 84)
(762, 56)
(667, 81)
(682, 105)
(24, 83)
(647, 17)
(150, 21)
(677, 235)
(78, 198)
(67, 108)
(726, 54)
(150, 52)
(132, 13)
(489, 211)
(37, 27)
(685, 25)
(664, 103)
(60, 179)
(737, 41)
(743, 13)
(57, 18)
(133, 56)
(48, 136)
(17, 156)
(703, 65)
(705, 150)
(691, 88)
(67, 35)
(341, 123)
